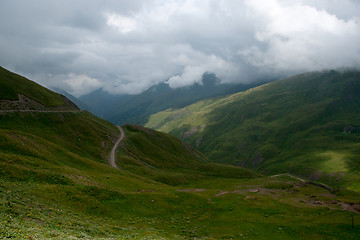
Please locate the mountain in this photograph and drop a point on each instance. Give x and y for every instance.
(307, 125)
(75, 100)
(102, 103)
(19, 93)
(78, 132)
(135, 109)
(56, 183)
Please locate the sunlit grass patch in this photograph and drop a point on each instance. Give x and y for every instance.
(334, 161)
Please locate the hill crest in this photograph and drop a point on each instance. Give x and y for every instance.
(20, 93)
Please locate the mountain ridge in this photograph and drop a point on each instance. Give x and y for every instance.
(72, 98)
(269, 128)
(135, 109)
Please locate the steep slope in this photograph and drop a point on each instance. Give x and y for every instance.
(307, 125)
(19, 93)
(135, 109)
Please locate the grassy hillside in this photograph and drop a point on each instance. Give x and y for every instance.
(167, 159)
(55, 183)
(308, 125)
(12, 84)
(54, 174)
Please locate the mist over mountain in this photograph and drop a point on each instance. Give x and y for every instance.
(135, 109)
(102, 102)
(72, 98)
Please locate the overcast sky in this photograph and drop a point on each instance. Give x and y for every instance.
(125, 46)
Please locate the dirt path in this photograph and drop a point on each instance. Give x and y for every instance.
(112, 153)
(40, 111)
(289, 175)
(321, 185)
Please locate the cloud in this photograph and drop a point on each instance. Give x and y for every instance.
(81, 84)
(76, 85)
(127, 46)
(299, 37)
(194, 70)
(122, 23)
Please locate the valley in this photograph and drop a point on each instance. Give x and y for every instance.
(67, 174)
(306, 125)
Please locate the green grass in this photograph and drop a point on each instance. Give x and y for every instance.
(55, 183)
(335, 162)
(167, 159)
(78, 211)
(12, 84)
(52, 186)
(51, 135)
(304, 124)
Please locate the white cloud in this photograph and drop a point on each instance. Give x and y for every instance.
(78, 85)
(122, 23)
(299, 37)
(131, 87)
(193, 70)
(127, 46)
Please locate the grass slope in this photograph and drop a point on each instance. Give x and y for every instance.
(167, 159)
(55, 183)
(308, 125)
(12, 84)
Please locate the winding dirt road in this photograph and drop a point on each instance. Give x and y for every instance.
(41, 111)
(112, 153)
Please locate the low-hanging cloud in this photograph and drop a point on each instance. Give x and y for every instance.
(194, 70)
(127, 46)
(81, 84)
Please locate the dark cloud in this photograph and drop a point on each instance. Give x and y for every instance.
(127, 46)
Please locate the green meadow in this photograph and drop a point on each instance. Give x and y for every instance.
(56, 183)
